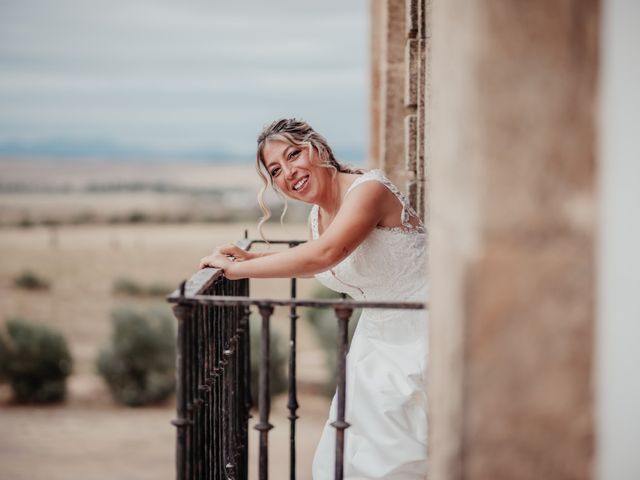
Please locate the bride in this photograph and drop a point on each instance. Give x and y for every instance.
(368, 242)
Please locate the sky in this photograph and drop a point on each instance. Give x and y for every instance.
(190, 78)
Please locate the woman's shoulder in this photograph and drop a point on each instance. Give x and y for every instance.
(371, 186)
(376, 180)
(381, 189)
(368, 175)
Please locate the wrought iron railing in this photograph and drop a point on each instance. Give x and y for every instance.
(213, 372)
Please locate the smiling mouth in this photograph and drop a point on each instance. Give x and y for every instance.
(301, 183)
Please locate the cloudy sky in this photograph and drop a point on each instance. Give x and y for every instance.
(180, 77)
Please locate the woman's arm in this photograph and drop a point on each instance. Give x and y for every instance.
(359, 214)
(239, 254)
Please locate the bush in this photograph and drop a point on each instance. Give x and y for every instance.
(138, 217)
(278, 375)
(82, 218)
(132, 288)
(35, 361)
(30, 280)
(4, 357)
(157, 289)
(26, 222)
(325, 327)
(126, 286)
(139, 362)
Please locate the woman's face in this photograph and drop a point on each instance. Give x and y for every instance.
(294, 173)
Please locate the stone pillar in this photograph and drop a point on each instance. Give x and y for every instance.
(375, 100)
(415, 99)
(512, 239)
(392, 83)
(398, 96)
(423, 160)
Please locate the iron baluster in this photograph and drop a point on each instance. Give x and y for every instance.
(265, 395)
(343, 314)
(183, 314)
(189, 399)
(198, 403)
(292, 403)
(209, 398)
(224, 363)
(246, 379)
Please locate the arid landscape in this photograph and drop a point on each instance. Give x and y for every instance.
(90, 436)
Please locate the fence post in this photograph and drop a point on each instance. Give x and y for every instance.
(343, 314)
(183, 313)
(264, 406)
(292, 403)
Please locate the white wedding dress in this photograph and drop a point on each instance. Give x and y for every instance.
(386, 397)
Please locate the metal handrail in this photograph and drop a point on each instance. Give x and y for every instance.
(191, 295)
(297, 302)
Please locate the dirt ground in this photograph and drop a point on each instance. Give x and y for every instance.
(89, 436)
(103, 441)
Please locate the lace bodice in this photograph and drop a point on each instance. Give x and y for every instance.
(390, 264)
(387, 361)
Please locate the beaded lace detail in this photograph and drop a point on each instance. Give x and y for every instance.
(383, 254)
(407, 210)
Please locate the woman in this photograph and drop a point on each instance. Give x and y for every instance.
(368, 242)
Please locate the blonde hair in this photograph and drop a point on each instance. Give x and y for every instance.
(298, 133)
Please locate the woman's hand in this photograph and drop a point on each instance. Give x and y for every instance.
(224, 257)
(219, 261)
(234, 251)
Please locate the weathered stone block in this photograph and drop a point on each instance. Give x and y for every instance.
(413, 17)
(425, 19)
(395, 31)
(420, 199)
(412, 65)
(410, 142)
(393, 124)
(376, 100)
(423, 94)
(412, 193)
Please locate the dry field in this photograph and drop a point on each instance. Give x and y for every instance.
(78, 174)
(90, 437)
(81, 192)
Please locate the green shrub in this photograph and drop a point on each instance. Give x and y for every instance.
(278, 357)
(35, 362)
(127, 286)
(137, 217)
(132, 288)
(325, 327)
(83, 218)
(26, 222)
(139, 362)
(51, 222)
(157, 289)
(4, 356)
(30, 280)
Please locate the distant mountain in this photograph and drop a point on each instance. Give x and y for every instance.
(108, 149)
(112, 150)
